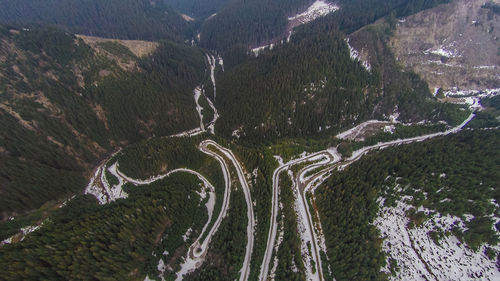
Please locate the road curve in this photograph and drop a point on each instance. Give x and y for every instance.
(198, 250)
(245, 270)
(314, 181)
(310, 183)
(273, 226)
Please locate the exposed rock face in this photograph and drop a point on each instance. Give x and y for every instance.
(452, 45)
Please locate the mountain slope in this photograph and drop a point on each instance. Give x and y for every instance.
(198, 9)
(129, 19)
(453, 45)
(433, 212)
(65, 105)
(248, 23)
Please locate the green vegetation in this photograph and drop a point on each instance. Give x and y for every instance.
(86, 241)
(117, 49)
(110, 178)
(400, 131)
(355, 14)
(160, 155)
(289, 254)
(227, 248)
(125, 19)
(259, 162)
(294, 90)
(489, 117)
(12, 227)
(247, 23)
(256, 22)
(403, 91)
(462, 167)
(64, 107)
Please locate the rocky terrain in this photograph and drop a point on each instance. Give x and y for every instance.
(451, 45)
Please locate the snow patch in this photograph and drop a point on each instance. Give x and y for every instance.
(197, 94)
(448, 51)
(258, 50)
(417, 255)
(186, 235)
(354, 133)
(318, 9)
(186, 17)
(355, 56)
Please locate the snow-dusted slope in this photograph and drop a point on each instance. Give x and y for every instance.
(418, 257)
(318, 9)
(451, 45)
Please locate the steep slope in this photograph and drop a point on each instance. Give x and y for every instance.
(198, 9)
(316, 85)
(65, 105)
(249, 23)
(453, 45)
(130, 19)
(303, 88)
(433, 217)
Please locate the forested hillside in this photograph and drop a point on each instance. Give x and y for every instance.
(355, 14)
(85, 241)
(256, 22)
(124, 19)
(315, 158)
(63, 107)
(306, 85)
(198, 9)
(312, 87)
(458, 176)
(249, 23)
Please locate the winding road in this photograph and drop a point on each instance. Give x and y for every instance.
(305, 185)
(245, 270)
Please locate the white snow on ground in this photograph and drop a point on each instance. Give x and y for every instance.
(444, 53)
(186, 17)
(22, 234)
(356, 57)
(485, 67)
(198, 250)
(256, 51)
(211, 60)
(93, 189)
(197, 94)
(245, 269)
(318, 9)
(221, 62)
(478, 93)
(305, 235)
(418, 257)
(448, 50)
(360, 152)
(7, 241)
(389, 129)
(186, 235)
(353, 133)
(161, 267)
(100, 188)
(281, 234)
